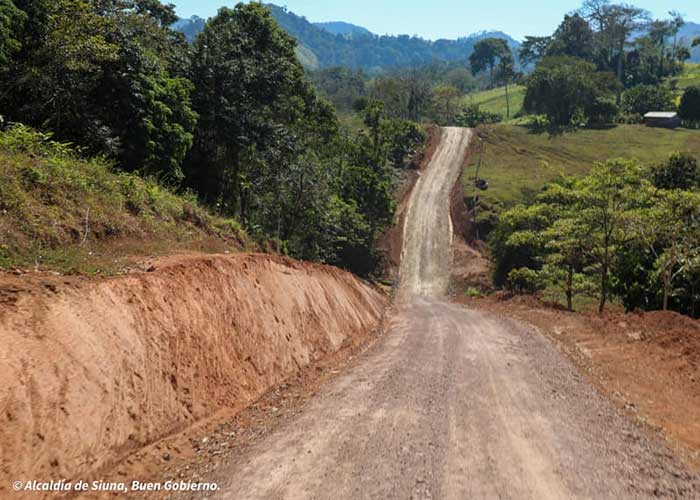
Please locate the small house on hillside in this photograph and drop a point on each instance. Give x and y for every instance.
(665, 119)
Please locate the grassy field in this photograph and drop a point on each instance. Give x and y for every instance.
(61, 212)
(517, 162)
(689, 77)
(494, 100)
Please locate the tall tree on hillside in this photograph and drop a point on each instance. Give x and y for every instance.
(487, 53)
(506, 72)
(419, 91)
(573, 37)
(533, 49)
(659, 31)
(683, 54)
(622, 21)
(613, 24)
(677, 22)
(249, 89)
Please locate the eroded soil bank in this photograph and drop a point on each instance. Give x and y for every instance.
(93, 370)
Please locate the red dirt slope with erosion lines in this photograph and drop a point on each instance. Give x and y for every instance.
(92, 370)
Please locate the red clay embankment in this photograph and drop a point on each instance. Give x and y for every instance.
(91, 371)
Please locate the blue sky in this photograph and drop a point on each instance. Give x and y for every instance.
(442, 18)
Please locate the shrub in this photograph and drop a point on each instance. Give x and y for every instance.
(630, 119)
(538, 123)
(473, 293)
(473, 116)
(524, 281)
(690, 106)
(641, 99)
(680, 171)
(19, 138)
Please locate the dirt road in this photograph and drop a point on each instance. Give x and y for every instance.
(454, 403)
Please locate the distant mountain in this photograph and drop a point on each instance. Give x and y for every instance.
(190, 27)
(325, 45)
(372, 52)
(344, 29)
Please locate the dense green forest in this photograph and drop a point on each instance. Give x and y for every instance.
(231, 118)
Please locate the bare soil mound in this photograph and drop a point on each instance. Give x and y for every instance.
(94, 369)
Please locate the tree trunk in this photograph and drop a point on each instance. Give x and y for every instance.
(570, 289)
(620, 61)
(507, 101)
(603, 289)
(667, 286)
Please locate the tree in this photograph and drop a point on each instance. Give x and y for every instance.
(659, 31)
(445, 99)
(560, 241)
(680, 171)
(622, 21)
(249, 90)
(342, 86)
(533, 49)
(518, 241)
(506, 72)
(644, 98)
(486, 54)
(669, 227)
(605, 199)
(419, 92)
(614, 23)
(683, 54)
(677, 22)
(562, 87)
(567, 257)
(103, 75)
(11, 20)
(393, 94)
(573, 37)
(689, 108)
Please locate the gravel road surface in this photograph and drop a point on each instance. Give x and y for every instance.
(455, 403)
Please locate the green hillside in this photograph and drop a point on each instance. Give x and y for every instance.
(690, 76)
(64, 212)
(494, 100)
(517, 162)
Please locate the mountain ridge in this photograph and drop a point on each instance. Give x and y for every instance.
(344, 29)
(336, 43)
